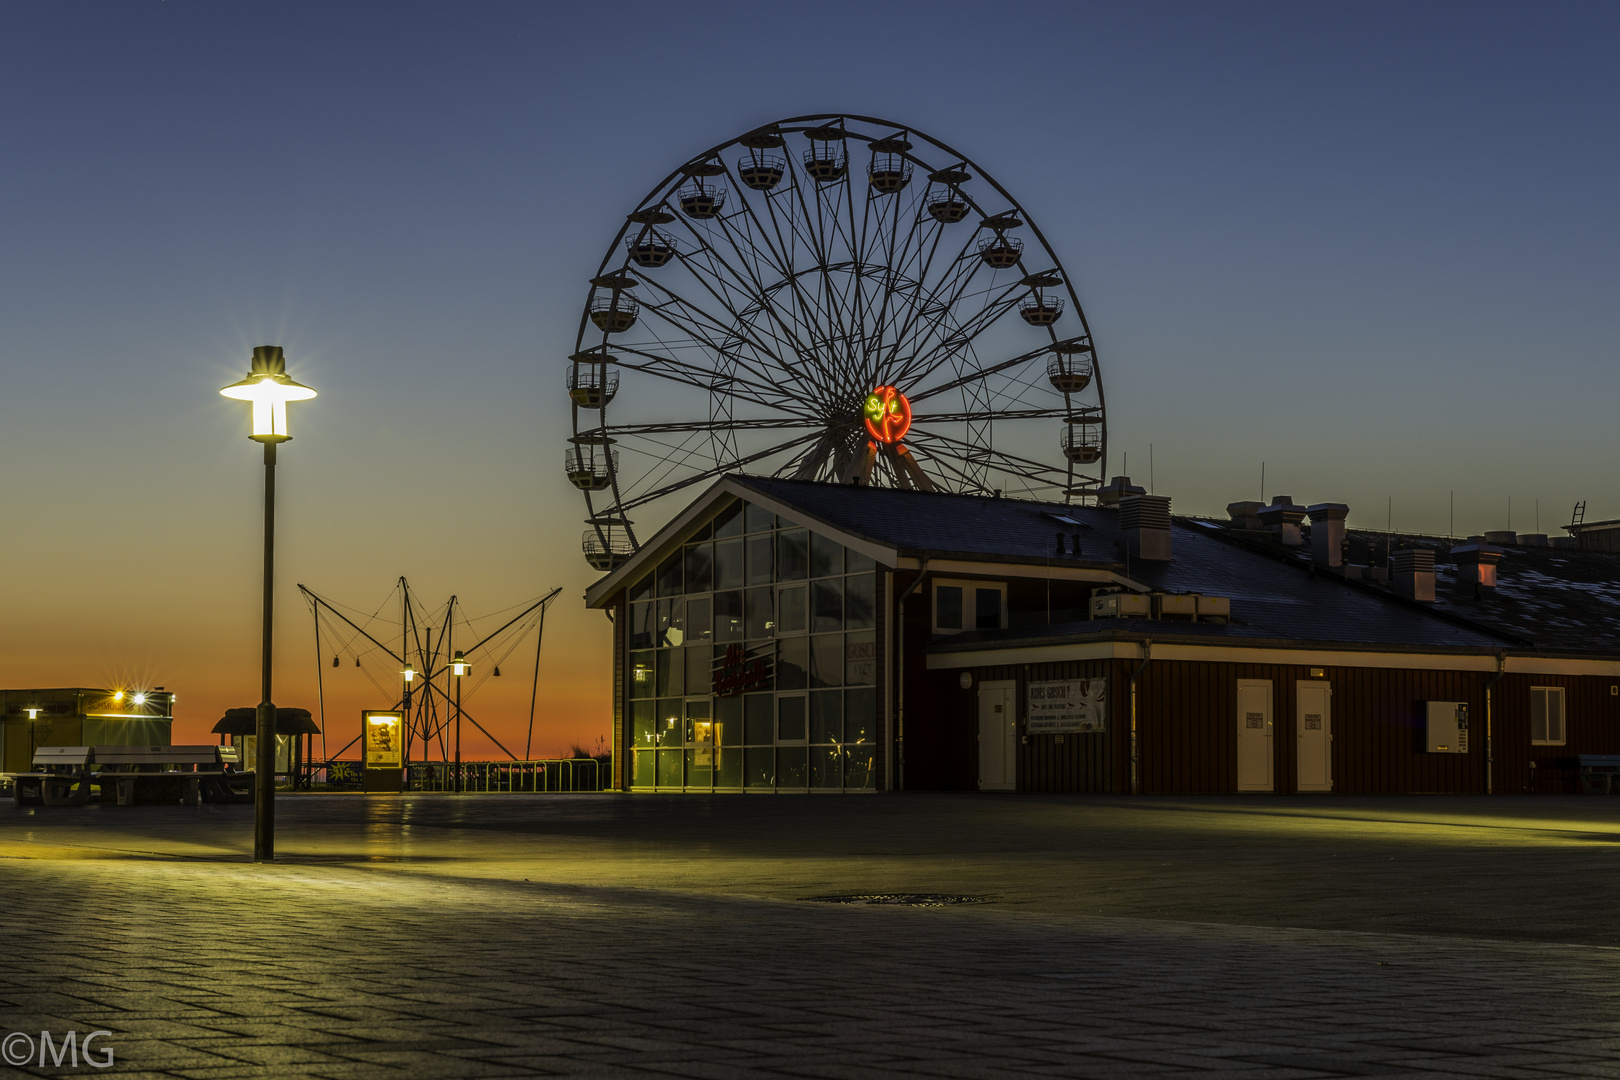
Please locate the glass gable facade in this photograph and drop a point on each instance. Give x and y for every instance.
(753, 661)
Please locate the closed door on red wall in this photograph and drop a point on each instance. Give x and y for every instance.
(1254, 755)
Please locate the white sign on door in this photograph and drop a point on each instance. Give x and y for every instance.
(1071, 705)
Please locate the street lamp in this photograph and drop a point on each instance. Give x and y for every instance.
(459, 667)
(269, 388)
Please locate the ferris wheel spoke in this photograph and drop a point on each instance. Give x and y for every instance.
(699, 323)
(676, 426)
(796, 345)
(667, 367)
(978, 375)
(923, 363)
(718, 470)
(974, 416)
(1014, 462)
(941, 299)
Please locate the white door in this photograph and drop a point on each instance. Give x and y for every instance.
(998, 736)
(1315, 730)
(1254, 735)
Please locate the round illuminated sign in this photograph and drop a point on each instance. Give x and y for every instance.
(887, 415)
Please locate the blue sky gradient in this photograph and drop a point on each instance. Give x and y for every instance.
(1372, 245)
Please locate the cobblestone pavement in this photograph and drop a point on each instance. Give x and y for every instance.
(615, 936)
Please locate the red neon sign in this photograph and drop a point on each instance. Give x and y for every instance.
(888, 415)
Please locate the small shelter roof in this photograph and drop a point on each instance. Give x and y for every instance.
(245, 722)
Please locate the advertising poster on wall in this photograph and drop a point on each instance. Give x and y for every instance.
(1072, 705)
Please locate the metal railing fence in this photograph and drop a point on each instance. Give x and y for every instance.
(553, 775)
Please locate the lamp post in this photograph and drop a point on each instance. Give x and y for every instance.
(269, 388)
(459, 667)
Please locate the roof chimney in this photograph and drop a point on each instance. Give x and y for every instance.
(1245, 515)
(1476, 568)
(1116, 489)
(1412, 574)
(1144, 523)
(1283, 517)
(1327, 534)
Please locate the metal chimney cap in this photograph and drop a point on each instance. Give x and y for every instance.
(1327, 511)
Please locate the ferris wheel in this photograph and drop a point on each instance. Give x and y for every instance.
(833, 298)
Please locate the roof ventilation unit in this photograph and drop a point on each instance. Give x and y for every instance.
(1283, 518)
(1476, 567)
(1412, 574)
(1327, 534)
(1144, 522)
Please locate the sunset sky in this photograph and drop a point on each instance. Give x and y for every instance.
(1376, 246)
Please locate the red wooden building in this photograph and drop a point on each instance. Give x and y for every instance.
(784, 636)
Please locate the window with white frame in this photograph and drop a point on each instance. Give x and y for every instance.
(969, 605)
(1547, 715)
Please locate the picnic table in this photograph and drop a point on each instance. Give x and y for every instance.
(65, 775)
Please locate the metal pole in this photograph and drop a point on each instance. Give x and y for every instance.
(458, 734)
(264, 780)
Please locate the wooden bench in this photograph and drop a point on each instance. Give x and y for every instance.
(1598, 773)
(61, 777)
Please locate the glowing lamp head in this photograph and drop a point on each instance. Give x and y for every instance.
(459, 666)
(269, 388)
(118, 696)
(33, 714)
(139, 699)
(409, 673)
(887, 415)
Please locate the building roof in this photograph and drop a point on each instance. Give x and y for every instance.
(1562, 599)
(1271, 600)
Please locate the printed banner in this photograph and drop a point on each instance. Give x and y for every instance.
(1071, 705)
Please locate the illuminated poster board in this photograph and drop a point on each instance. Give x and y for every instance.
(382, 739)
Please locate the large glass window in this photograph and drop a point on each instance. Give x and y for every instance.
(642, 590)
(796, 599)
(729, 522)
(760, 556)
(728, 564)
(699, 668)
(758, 519)
(791, 615)
(641, 625)
(792, 663)
(671, 672)
(758, 613)
(669, 576)
(860, 658)
(827, 603)
(700, 568)
(640, 674)
(671, 622)
(826, 556)
(860, 600)
(790, 718)
(699, 619)
(791, 556)
(827, 660)
(728, 616)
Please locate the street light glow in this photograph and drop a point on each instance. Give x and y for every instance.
(269, 388)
